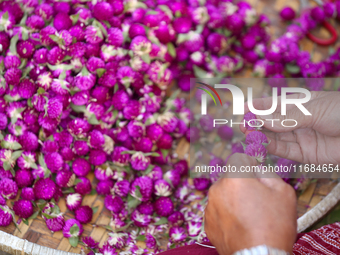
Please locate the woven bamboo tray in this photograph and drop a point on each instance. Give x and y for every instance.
(35, 238)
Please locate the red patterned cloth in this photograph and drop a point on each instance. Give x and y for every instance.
(325, 240)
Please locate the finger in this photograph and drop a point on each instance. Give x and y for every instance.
(237, 161)
(273, 182)
(285, 137)
(284, 149)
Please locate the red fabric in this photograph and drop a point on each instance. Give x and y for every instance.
(325, 240)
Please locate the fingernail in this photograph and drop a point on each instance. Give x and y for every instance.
(270, 116)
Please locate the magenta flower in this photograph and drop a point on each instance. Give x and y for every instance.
(177, 234)
(256, 150)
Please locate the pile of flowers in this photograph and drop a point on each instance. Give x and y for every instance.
(82, 88)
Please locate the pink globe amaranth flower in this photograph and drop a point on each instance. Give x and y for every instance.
(103, 11)
(250, 117)
(201, 183)
(154, 132)
(4, 41)
(114, 203)
(8, 188)
(81, 97)
(65, 178)
(181, 167)
(49, 147)
(93, 35)
(165, 142)
(12, 76)
(81, 167)
(85, 80)
(104, 187)
(194, 228)
(217, 43)
(168, 121)
(44, 81)
(160, 75)
(27, 194)
(45, 36)
(162, 188)
(287, 13)
(97, 157)
(226, 64)
(73, 201)
(23, 178)
(139, 219)
(64, 138)
(44, 10)
(146, 208)
(318, 14)
(35, 22)
(23, 208)
(164, 206)
(78, 127)
(329, 9)
(68, 225)
(117, 240)
(118, 158)
(256, 137)
(5, 216)
(136, 30)
(27, 89)
(55, 55)
(2, 201)
(144, 144)
(11, 61)
(177, 234)
(3, 121)
(121, 188)
(108, 250)
(25, 49)
(225, 132)
(256, 150)
(115, 37)
(103, 173)
(83, 214)
(96, 139)
(120, 99)
(101, 94)
(173, 177)
(54, 161)
(78, 33)
(84, 186)
(145, 188)
(62, 21)
(54, 108)
(150, 241)
(44, 189)
(80, 148)
(90, 242)
(176, 219)
(139, 161)
(207, 123)
(94, 63)
(55, 224)
(136, 129)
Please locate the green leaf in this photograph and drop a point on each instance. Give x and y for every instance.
(165, 153)
(61, 66)
(84, 71)
(26, 72)
(137, 192)
(1, 136)
(99, 25)
(115, 88)
(34, 215)
(161, 221)
(34, 165)
(128, 152)
(6, 165)
(9, 99)
(141, 238)
(41, 91)
(95, 209)
(200, 73)
(13, 46)
(74, 229)
(148, 170)
(133, 202)
(93, 120)
(25, 221)
(5, 17)
(93, 192)
(76, 181)
(74, 18)
(55, 38)
(152, 154)
(67, 58)
(74, 241)
(41, 161)
(123, 228)
(78, 108)
(47, 216)
(100, 72)
(171, 50)
(146, 58)
(16, 155)
(293, 69)
(68, 191)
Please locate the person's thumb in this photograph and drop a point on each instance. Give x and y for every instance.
(294, 119)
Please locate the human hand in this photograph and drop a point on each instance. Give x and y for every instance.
(247, 212)
(315, 139)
